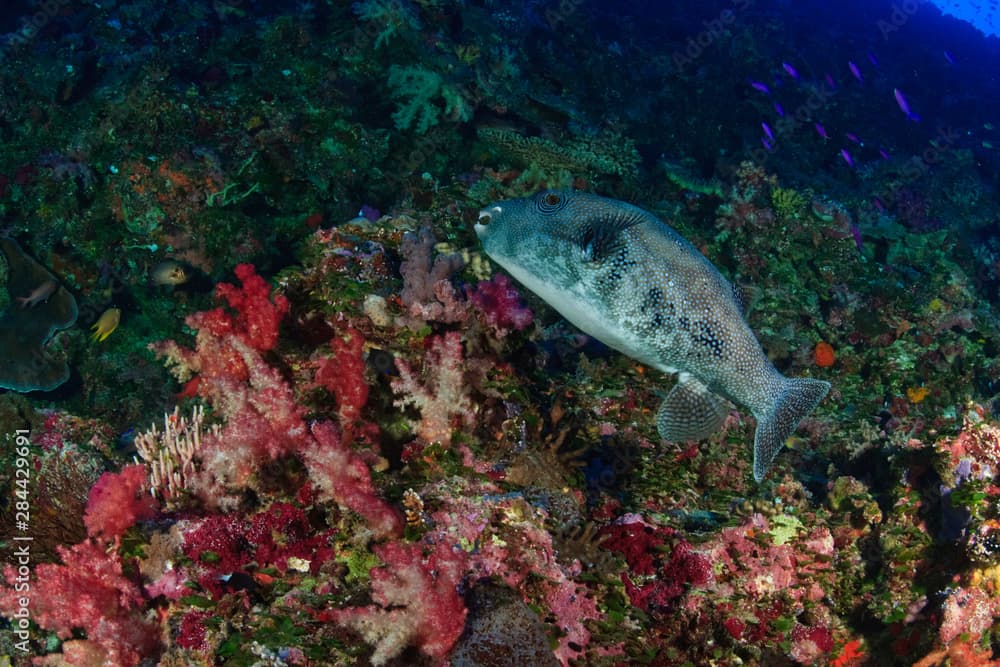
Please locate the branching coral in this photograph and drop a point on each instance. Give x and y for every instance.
(418, 88)
(263, 421)
(390, 17)
(117, 501)
(87, 592)
(416, 602)
(441, 396)
(427, 290)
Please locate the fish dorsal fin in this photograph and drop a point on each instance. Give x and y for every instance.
(599, 237)
(690, 412)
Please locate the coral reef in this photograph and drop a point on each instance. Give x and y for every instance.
(328, 431)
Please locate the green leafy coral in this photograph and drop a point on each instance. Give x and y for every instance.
(418, 89)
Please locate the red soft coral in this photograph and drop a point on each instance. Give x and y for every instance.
(501, 305)
(117, 501)
(88, 592)
(343, 375)
(342, 475)
(257, 315)
(417, 602)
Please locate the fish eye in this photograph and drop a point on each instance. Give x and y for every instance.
(552, 199)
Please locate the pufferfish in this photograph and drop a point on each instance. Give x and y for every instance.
(623, 276)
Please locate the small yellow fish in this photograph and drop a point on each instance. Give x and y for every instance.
(106, 323)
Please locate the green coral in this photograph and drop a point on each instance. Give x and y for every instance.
(680, 175)
(393, 18)
(607, 153)
(417, 90)
(788, 203)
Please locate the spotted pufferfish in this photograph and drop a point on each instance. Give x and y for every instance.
(623, 276)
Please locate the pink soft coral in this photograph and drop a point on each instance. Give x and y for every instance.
(343, 375)
(257, 315)
(88, 592)
(342, 475)
(262, 419)
(500, 303)
(117, 501)
(417, 602)
(441, 395)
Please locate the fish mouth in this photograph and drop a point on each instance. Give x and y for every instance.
(486, 216)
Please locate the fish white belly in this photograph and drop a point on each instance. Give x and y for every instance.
(580, 309)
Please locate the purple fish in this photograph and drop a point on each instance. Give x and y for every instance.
(883, 153)
(847, 157)
(878, 204)
(949, 57)
(856, 233)
(872, 59)
(767, 144)
(853, 137)
(767, 131)
(829, 81)
(821, 131)
(904, 106)
(778, 109)
(762, 87)
(855, 71)
(791, 71)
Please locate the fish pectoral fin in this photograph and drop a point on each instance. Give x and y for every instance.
(797, 399)
(690, 412)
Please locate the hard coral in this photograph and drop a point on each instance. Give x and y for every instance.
(26, 363)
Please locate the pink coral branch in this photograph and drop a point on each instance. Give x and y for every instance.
(117, 501)
(88, 592)
(441, 396)
(342, 476)
(416, 602)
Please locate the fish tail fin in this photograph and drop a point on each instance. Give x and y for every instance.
(797, 398)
